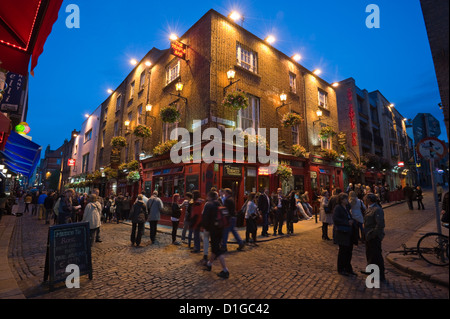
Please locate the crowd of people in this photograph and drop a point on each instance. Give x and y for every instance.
(356, 216)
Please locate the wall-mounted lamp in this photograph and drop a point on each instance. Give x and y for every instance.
(319, 114)
(231, 74)
(179, 88)
(283, 99)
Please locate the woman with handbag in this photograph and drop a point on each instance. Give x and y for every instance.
(343, 222)
(325, 215)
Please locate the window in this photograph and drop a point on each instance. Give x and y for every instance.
(167, 129)
(172, 72)
(88, 136)
(118, 103)
(295, 134)
(142, 80)
(139, 115)
(116, 128)
(132, 89)
(85, 166)
(249, 117)
(326, 144)
(246, 58)
(293, 82)
(323, 99)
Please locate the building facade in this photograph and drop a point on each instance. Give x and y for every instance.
(376, 137)
(274, 84)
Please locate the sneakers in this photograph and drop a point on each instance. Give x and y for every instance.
(224, 274)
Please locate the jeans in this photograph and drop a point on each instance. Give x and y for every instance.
(205, 242)
(94, 234)
(278, 223)
(174, 230)
(48, 213)
(265, 227)
(233, 230)
(136, 238)
(153, 228)
(250, 230)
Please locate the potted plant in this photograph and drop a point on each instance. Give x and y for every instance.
(236, 100)
(326, 132)
(170, 114)
(163, 148)
(284, 172)
(299, 151)
(133, 177)
(330, 155)
(142, 131)
(118, 142)
(291, 119)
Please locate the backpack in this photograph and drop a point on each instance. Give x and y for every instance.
(222, 218)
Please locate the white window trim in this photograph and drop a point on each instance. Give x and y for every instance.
(319, 91)
(169, 77)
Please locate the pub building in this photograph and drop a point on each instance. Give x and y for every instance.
(215, 59)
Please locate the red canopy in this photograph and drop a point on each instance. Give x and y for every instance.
(24, 28)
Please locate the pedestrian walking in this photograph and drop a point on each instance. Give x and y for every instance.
(228, 202)
(264, 206)
(251, 216)
(216, 232)
(40, 203)
(357, 209)
(154, 207)
(49, 201)
(408, 192)
(195, 221)
(374, 233)
(138, 216)
(419, 197)
(186, 210)
(28, 200)
(175, 218)
(343, 222)
(325, 214)
(92, 215)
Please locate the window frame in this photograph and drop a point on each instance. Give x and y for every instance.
(325, 94)
(246, 58)
(171, 77)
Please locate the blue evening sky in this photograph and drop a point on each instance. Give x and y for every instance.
(79, 65)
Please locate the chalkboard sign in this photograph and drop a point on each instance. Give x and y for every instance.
(67, 244)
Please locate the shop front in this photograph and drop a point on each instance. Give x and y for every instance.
(325, 174)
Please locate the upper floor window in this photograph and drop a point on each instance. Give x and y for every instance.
(142, 80)
(88, 136)
(139, 115)
(323, 98)
(249, 117)
(172, 72)
(295, 134)
(85, 164)
(246, 58)
(293, 82)
(132, 90)
(118, 102)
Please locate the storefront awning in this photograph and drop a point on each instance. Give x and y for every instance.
(21, 155)
(24, 28)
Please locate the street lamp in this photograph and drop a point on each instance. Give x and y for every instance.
(283, 99)
(319, 114)
(127, 125)
(231, 74)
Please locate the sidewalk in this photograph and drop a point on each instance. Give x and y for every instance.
(416, 266)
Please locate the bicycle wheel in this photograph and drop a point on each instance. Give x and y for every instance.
(433, 248)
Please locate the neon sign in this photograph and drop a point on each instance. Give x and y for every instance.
(178, 49)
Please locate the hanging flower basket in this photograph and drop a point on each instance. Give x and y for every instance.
(236, 100)
(118, 141)
(142, 131)
(133, 177)
(299, 151)
(330, 155)
(163, 148)
(170, 114)
(284, 172)
(291, 119)
(326, 132)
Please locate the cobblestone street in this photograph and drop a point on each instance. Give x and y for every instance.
(299, 266)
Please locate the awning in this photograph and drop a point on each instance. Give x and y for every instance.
(21, 155)
(24, 28)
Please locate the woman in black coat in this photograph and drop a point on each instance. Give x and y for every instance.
(419, 197)
(343, 223)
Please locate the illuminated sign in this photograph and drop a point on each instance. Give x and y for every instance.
(263, 171)
(178, 49)
(71, 162)
(401, 164)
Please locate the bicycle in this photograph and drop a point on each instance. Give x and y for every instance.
(431, 247)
